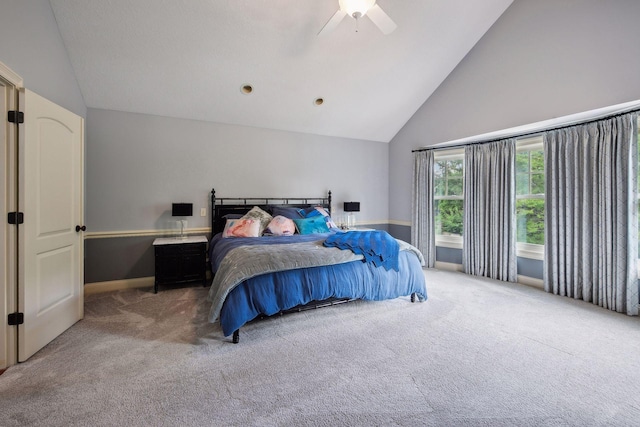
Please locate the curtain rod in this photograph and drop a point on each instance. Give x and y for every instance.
(516, 135)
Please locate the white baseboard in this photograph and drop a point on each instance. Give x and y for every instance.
(524, 280)
(531, 281)
(449, 266)
(117, 285)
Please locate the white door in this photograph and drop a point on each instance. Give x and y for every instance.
(51, 253)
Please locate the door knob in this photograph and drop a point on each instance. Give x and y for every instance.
(78, 228)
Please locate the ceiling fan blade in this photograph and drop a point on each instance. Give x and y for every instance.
(333, 22)
(381, 19)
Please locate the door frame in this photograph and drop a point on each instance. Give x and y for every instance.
(12, 83)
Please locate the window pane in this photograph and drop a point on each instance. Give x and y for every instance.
(537, 161)
(522, 162)
(537, 183)
(448, 217)
(522, 184)
(439, 186)
(456, 168)
(439, 169)
(455, 187)
(530, 219)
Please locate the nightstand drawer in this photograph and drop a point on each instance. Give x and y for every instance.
(180, 261)
(181, 249)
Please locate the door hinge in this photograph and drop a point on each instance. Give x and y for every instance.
(15, 319)
(15, 117)
(15, 218)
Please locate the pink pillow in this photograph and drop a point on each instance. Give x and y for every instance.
(241, 228)
(280, 226)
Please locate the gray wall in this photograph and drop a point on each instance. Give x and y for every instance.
(30, 44)
(542, 59)
(137, 165)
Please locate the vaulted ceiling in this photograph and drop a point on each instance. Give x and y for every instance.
(191, 59)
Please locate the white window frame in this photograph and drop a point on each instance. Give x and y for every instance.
(454, 242)
(530, 250)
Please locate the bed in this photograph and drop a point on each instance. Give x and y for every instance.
(262, 267)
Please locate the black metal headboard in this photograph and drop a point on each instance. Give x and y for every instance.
(241, 205)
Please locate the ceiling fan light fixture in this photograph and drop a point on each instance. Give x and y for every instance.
(356, 8)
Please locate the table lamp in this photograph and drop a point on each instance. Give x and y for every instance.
(351, 208)
(182, 210)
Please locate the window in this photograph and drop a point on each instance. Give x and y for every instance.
(530, 197)
(448, 197)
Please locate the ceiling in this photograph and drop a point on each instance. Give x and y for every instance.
(191, 58)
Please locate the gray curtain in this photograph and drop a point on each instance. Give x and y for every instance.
(422, 214)
(591, 217)
(489, 210)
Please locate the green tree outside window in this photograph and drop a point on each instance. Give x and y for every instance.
(448, 203)
(530, 196)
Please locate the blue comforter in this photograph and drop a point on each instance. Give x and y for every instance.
(272, 292)
(377, 246)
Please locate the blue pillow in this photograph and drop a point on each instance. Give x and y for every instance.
(232, 216)
(316, 211)
(315, 224)
(309, 212)
(291, 213)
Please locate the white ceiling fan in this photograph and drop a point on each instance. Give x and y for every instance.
(357, 9)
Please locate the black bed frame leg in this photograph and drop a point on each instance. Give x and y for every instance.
(236, 336)
(413, 297)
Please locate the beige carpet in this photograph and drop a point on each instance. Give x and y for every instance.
(477, 353)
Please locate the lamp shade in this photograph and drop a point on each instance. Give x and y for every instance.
(182, 209)
(352, 206)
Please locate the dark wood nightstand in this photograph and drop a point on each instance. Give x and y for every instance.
(180, 260)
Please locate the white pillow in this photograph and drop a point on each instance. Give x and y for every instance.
(263, 217)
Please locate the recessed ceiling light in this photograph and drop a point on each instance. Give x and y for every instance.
(319, 101)
(246, 89)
